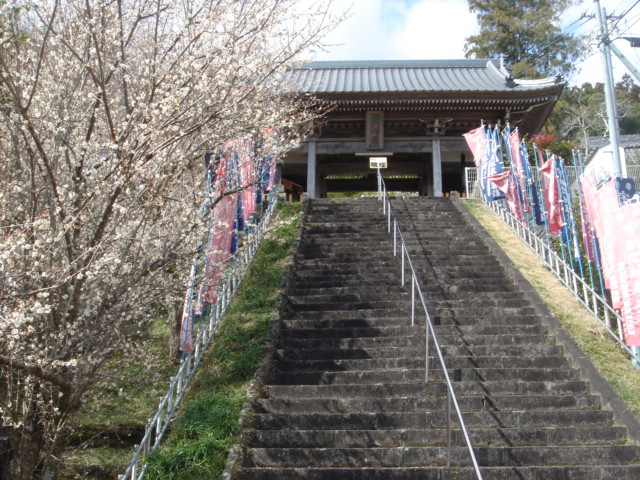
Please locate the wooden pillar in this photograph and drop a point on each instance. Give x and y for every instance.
(312, 168)
(436, 161)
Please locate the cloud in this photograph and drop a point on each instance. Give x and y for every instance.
(396, 29)
(436, 29)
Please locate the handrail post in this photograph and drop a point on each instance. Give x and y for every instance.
(402, 252)
(413, 300)
(448, 427)
(395, 238)
(426, 349)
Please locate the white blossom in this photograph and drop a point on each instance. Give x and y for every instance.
(106, 115)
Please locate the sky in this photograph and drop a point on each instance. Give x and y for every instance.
(436, 29)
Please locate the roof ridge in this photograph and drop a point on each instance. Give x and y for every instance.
(407, 63)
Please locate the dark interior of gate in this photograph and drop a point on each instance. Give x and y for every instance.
(405, 172)
(413, 114)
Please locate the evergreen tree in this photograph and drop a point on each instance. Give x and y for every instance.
(527, 33)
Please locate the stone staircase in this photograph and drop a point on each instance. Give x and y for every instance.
(344, 395)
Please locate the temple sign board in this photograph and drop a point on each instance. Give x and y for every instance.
(377, 162)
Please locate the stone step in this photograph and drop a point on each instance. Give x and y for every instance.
(385, 287)
(418, 330)
(417, 374)
(524, 436)
(518, 387)
(582, 472)
(393, 278)
(407, 352)
(337, 261)
(416, 362)
(404, 309)
(430, 420)
(406, 319)
(477, 403)
(413, 341)
(358, 301)
(437, 456)
(391, 270)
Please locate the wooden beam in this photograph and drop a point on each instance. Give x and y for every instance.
(407, 145)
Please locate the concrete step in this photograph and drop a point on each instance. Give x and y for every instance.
(437, 456)
(405, 319)
(465, 351)
(418, 330)
(380, 309)
(433, 300)
(431, 420)
(417, 374)
(414, 341)
(417, 362)
(388, 287)
(522, 436)
(312, 279)
(468, 403)
(518, 387)
(581, 472)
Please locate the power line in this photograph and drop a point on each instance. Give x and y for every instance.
(620, 17)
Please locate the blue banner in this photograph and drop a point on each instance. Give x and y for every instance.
(491, 165)
(626, 188)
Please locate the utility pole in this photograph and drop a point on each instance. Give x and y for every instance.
(609, 90)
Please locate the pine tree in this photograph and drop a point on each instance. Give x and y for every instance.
(527, 33)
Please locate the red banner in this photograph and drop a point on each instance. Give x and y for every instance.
(617, 229)
(588, 214)
(507, 185)
(220, 245)
(477, 141)
(247, 177)
(551, 195)
(514, 146)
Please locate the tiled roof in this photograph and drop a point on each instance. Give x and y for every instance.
(626, 141)
(411, 76)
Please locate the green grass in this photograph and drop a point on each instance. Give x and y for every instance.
(206, 426)
(604, 353)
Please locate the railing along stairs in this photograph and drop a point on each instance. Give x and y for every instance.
(593, 302)
(158, 425)
(398, 241)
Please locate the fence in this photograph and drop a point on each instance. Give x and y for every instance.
(471, 179)
(598, 306)
(157, 426)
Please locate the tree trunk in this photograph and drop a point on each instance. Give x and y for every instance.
(26, 443)
(174, 318)
(5, 451)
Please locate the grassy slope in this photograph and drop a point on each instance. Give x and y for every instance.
(609, 358)
(207, 424)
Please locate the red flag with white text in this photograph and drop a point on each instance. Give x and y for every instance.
(506, 184)
(477, 141)
(551, 195)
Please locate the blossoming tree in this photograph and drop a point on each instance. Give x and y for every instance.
(107, 109)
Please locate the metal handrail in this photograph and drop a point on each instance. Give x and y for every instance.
(158, 425)
(429, 330)
(582, 291)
